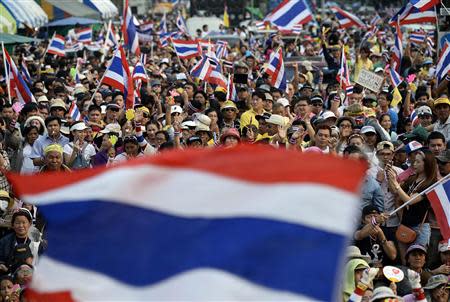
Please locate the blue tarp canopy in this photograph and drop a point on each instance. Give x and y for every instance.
(71, 21)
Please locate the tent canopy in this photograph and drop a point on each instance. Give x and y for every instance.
(26, 12)
(105, 7)
(16, 39)
(71, 21)
(7, 22)
(75, 8)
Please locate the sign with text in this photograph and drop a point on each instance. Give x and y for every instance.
(370, 80)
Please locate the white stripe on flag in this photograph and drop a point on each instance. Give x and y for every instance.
(204, 284)
(443, 199)
(319, 205)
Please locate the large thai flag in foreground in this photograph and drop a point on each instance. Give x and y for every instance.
(289, 13)
(440, 202)
(275, 228)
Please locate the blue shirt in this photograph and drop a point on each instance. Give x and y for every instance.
(43, 141)
(372, 194)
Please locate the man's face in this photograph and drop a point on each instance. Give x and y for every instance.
(442, 112)
(229, 113)
(369, 217)
(58, 112)
(43, 112)
(8, 113)
(322, 138)
(306, 92)
(95, 116)
(316, 107)
(444, 167)
(354, 98)
(156, 89)
(385, 156)
(272, 129)
(416, 259)
(382, 100)
(371, 138)
(268, 104)
(436, 146)
(301, 107)
(257, 102)
(53, 160)
(53, 128)
(263, 126)
(189, 90)
(112, 113)
(425, 120)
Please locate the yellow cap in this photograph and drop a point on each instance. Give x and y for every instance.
(228, 104)
(220, 89)
(53, 147)
(4, 194)
(441, 101)
(144, 109)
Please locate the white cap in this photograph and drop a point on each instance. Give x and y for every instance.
(176, 109)
(283, 101)
(276, 119)
(185, 125)
(424, 110)
(78, 126)
(367, 129)
(327, 114)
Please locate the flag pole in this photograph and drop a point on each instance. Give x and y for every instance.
(45, 53)
(8, 84)
(430, 188)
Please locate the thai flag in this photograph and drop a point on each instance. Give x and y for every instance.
(222, 49)
(84, 35)
(111, 40)
(163, 25)
(343, 76)
(371, 33)
(439, 199)
(139, 72)
(412, 15)
(275, 69)
(202, 69)
(297, 29)
(261, 25)
(443, 65)
(18, 85)
(396, 79)
(165, 37)
(144, 31)
(130, 35)
(375, 20)
(57, 46)
(348, 90)
(74, 112)
(231, 90)
(347, 19)
(289, 13)
(424, 5)
(216, 77)
(413, 117)
(418, 36)
(397, 49)
(215, 243)
(186, 49)
(118, 76)
(25, 73)
(227, 64)
(181, 24)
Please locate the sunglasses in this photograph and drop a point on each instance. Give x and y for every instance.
(114, 109)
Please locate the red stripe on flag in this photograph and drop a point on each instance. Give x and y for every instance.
(276, 166)
(34, 296)
(440, 214)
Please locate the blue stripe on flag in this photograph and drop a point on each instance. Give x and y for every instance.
(142, 247)
(292, 13)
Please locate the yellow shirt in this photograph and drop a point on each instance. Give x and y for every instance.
(367, 65)
(249, 117)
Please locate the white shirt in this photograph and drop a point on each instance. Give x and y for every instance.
(27, 165)
(88, 150)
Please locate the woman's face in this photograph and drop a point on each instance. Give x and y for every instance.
(21, 226)
(213, 116)
(151, 131)
(32, 136)
(440, 294)
(416, 259)
(386, 122)
(131, 149)
(24, 275)
(345, 128)
(79, 135)
(160, 139)
(6, 287)
(231, 141)
(419, 164)
(204, 136)
(358, 275)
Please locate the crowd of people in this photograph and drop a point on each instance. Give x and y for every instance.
(404, 142)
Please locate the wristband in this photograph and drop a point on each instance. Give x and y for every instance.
(362, 286)
(447, 77)
(292, 141)
(176, 133)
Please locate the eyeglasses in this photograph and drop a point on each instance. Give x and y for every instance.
(317, 105)
(114, 109)
(229, 109)
(145, 115)
(130, 139)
